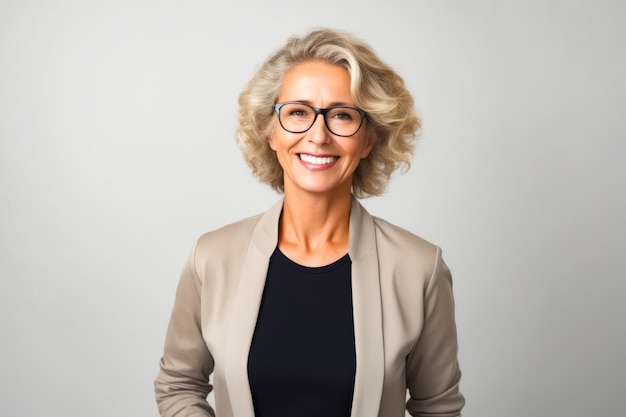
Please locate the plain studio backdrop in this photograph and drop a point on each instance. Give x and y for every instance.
(117, 122)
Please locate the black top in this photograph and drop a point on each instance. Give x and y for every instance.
(302, 359)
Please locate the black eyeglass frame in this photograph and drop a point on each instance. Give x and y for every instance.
(317, 111)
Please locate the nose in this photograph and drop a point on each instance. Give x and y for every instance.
(319, 133)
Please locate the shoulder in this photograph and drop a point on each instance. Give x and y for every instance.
(401, 239)
(232, 234)
(221, 249)
(229, 244)
(402, 250)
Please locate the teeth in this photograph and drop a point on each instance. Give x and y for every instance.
(310, 159)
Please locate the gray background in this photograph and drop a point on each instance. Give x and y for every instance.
(116, 151)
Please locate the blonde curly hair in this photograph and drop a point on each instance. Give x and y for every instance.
(376, 88)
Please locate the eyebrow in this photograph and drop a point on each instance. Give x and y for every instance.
(334, 103)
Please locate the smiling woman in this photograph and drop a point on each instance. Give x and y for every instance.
(374, 87)
(314, 158)
(315, 307)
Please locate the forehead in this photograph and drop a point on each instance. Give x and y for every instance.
(316, 80)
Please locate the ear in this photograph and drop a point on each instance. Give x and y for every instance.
(368, 146)
(270, 137)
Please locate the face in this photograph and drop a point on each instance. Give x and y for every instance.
(317, 161)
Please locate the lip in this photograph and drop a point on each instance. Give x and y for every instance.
(315, 162)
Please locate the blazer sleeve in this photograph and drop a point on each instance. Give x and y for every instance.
(433, 373)
(182, 384)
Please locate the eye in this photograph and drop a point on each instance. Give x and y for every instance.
(296, 111)
(344, 114)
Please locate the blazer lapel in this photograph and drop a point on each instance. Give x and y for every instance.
(246, 309)
(368, 328)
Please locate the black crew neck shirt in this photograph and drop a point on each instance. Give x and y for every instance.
(302, 359)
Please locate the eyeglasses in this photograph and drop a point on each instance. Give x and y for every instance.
(296, 117)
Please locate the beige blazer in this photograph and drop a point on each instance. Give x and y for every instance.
(404, 327)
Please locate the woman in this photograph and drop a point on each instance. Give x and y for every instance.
(316, 308)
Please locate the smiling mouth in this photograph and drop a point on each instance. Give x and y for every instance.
(317, 160)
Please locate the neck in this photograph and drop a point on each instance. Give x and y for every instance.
(314, 229)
